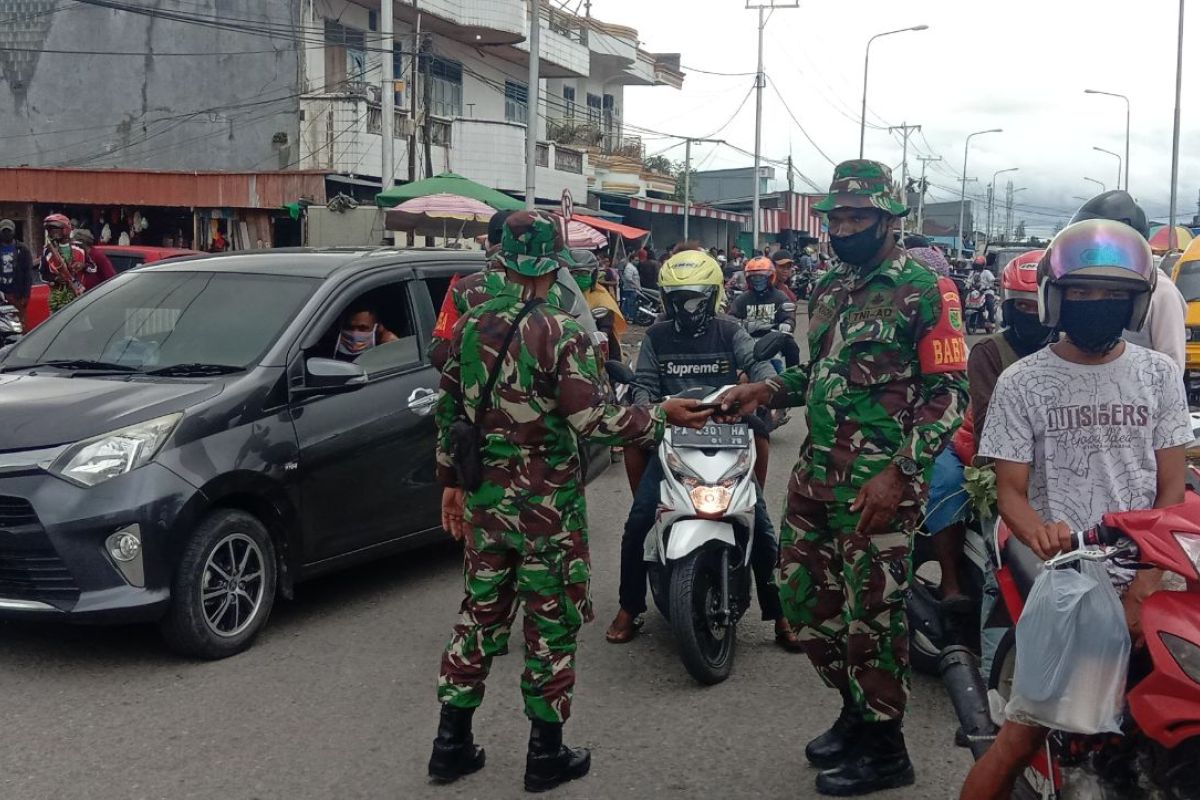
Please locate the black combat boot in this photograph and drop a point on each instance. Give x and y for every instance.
(454, 750)
(549, 761)
(833, 746)
(879, 760)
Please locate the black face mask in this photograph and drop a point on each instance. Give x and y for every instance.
(1027, 329)
(6, 236)
(858, 249)
(1095, 326)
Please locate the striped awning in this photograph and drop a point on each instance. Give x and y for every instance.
(671, 207)
(801, 217)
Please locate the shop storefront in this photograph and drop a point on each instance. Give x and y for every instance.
(194, 210)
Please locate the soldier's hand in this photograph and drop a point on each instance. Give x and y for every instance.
(681, 411)
(454, 503)
(878, 500)
(742, 400)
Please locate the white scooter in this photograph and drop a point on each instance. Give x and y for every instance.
(699, 550)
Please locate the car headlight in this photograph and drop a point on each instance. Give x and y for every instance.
(100, 458)
(711, 499)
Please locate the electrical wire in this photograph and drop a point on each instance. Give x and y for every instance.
(787, 108)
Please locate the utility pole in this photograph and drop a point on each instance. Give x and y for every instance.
(387, 98)
(532, 95)
(759, 82)
(921, 198)
(412, 100)
(687, 179)
(426, 104)
(791, 180)
(1008, 209)
(991, 197)
(1172, 238)
(907, 130)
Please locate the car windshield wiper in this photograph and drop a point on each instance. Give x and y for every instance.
(194, 369)
(76, 364)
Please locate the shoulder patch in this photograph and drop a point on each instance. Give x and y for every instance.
(944, 348)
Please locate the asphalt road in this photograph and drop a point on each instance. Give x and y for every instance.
(336, 700)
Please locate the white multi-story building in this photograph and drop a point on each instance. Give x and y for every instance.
(472, 78)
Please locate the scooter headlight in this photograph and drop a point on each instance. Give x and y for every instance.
(1186, 654)
(711, 499)
(739, 468)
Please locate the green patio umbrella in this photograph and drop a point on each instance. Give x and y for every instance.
(448, 183)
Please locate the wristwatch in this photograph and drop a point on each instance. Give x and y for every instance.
(908, 468)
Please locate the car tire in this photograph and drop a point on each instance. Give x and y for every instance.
(224, 587)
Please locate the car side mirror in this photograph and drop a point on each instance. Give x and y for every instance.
(330, 376)
(619, 373)
(769, 345)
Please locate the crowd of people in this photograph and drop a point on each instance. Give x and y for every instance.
(895, 408)
(69, 263)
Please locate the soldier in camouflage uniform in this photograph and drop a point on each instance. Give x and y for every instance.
(479, 287)
(525, 527)
(885, 388)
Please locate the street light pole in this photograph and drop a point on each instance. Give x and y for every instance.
(1117, 156)
(962, 200)
(992, 195)
(1172, 236)
(532, 95)
(1127, 114)
(1103, 188)
(760, 81)
(862, 128)
(921, 197)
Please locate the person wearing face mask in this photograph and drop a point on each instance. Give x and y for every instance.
(1166, 321)
(359, 332)
(885, 388)
(947, 508)
(764, 304)
(16, 269)
(1089, 425)
(586, 272)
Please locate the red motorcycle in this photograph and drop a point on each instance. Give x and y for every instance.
(1158, 753)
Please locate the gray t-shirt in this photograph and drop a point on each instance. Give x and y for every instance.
(1089, 431)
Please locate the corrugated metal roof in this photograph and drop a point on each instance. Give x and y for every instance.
(174, 189)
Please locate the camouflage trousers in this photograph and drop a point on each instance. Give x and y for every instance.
(844, 594)
(550, 577)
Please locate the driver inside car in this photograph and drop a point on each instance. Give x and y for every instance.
(693, 347)
(358, 331)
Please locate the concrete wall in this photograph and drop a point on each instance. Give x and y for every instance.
(203, 111)
(356, 226)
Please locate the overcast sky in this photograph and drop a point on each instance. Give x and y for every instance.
(1020, 65)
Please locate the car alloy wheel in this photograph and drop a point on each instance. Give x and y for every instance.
(232, 587)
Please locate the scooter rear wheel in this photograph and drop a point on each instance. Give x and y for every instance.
(706, 642)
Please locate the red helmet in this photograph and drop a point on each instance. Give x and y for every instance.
(57, 221)
(1019, 279)
(980, 261)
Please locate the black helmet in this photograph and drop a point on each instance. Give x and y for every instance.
(1117, 205)
(496, 227)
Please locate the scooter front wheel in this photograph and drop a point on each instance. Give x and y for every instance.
(707, 639)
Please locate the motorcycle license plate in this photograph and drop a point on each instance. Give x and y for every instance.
(713, 436)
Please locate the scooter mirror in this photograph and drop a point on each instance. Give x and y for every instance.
(600, 312)
(619, 373)
(769, 345)
(789, 308)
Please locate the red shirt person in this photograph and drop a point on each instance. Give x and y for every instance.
(97, 268)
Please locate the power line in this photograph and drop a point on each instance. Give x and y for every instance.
(798, 125)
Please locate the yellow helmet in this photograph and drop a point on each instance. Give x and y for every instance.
(692, 272)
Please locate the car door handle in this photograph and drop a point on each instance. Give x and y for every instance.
(422, 401)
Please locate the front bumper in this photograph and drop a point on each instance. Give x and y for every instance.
(53, 560)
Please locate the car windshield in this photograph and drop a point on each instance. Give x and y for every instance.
(1188, 280)
(162, 320)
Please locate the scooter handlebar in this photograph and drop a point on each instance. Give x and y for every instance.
(1099, 536)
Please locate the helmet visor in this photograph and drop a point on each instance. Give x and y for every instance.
(1100, 249)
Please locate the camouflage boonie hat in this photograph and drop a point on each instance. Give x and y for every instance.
(861, 183)
(531, 244)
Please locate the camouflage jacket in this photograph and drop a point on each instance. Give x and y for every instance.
(886, 376)
(547, 396)
(479, 287)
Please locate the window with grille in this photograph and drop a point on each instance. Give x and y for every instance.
(594, 107)
(569, 101)
(516, 102)
(446, 88)
(345, 58)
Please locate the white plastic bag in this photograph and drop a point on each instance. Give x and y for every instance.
(1072, 653)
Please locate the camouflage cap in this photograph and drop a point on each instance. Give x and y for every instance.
(531, 243)
(861, 183)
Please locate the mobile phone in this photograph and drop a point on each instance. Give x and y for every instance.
(712, 406)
